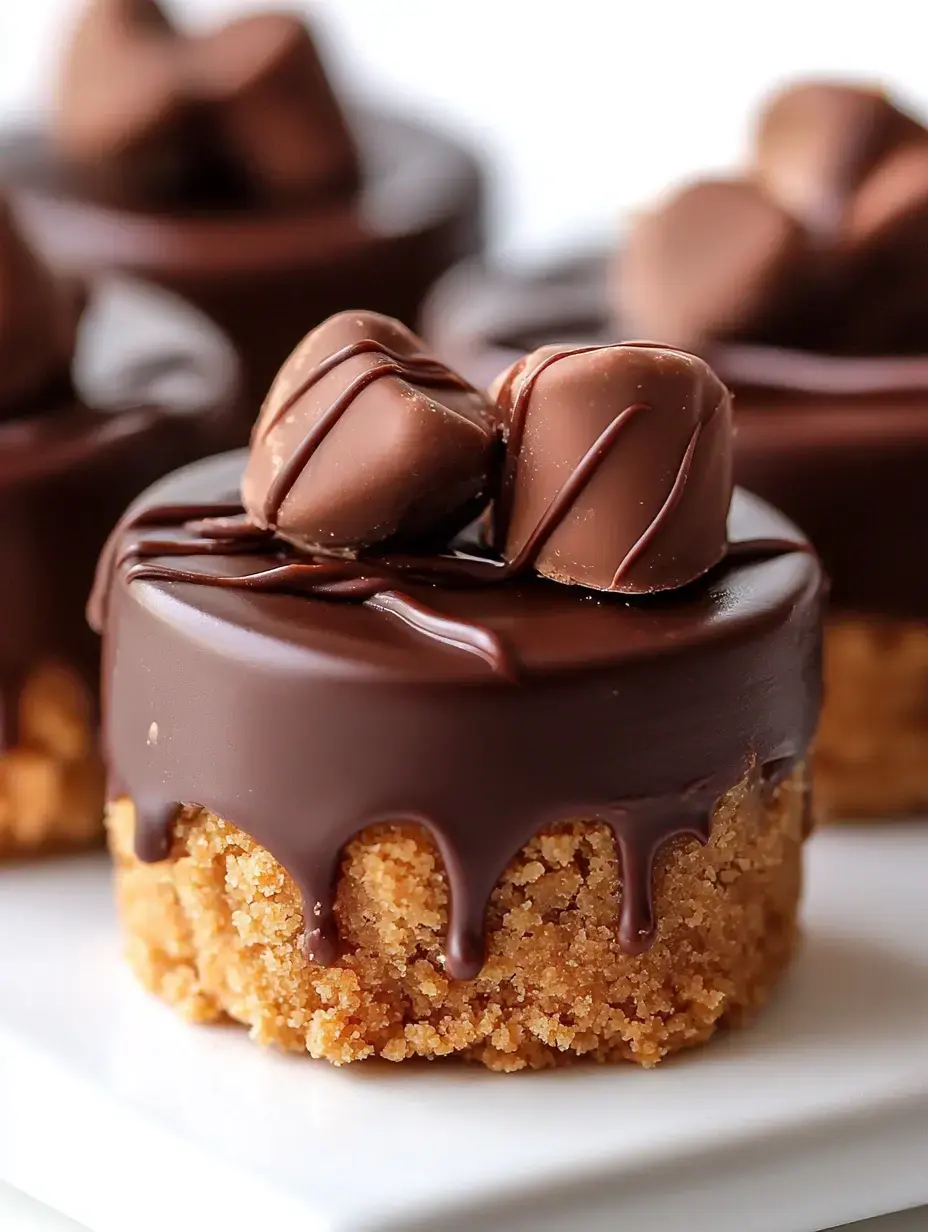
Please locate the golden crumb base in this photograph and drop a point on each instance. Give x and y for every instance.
(871, 752)
(51, 780)
(215, 930)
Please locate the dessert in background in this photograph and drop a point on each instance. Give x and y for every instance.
(223, 166)
(804, 281)
(453, 724)
(103, 388)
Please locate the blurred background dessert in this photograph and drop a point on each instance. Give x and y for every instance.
(221, 164)
(104, 386)
(803, 279)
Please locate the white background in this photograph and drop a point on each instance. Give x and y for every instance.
(584, 108)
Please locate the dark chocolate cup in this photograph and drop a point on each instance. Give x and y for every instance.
(154, 385)
(267, 277)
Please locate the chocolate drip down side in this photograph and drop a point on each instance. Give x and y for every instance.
(481, 764)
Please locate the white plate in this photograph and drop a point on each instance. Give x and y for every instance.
(121, 1116)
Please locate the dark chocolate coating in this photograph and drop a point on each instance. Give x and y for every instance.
(718, 259)
(839, 443)
(147, 114)
(265, 275)
(815, 144)
(38, 323)
(303, 720)
(152, 386)
(645, 434)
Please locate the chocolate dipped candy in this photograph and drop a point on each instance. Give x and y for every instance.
(160, 114)
(718, 259)
(816, 143)
(38, 321)
(366, 439)
(618, 471)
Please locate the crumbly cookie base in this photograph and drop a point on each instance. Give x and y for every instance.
(871, 752)
(215, 930)
(51, 781)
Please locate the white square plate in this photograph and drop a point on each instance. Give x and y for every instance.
(120, 1115)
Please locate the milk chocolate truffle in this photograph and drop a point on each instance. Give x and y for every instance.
(716, 260)
(102, 388)
(222, 165)
(618, 470)
(366, 438)
(816, 143)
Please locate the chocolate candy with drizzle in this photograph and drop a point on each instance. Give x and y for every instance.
(618, 471)
(243, 112)
(365, 439)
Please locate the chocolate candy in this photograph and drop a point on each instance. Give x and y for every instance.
(122, 111)
(274, 109)
(365, 439)
(38, 322)
(245, 110)
(719, 259)
(817, 142)
(618, 472)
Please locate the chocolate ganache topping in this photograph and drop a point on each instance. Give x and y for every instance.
(305, 695)
(819, 246)
(245, 111)
(39, 315)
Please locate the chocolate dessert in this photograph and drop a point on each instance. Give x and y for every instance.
(444, 723)
(222, 166)
(803, 283)
(103, 388)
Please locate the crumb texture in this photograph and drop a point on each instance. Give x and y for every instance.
(215, 930)
(51, 780)
(871, 752)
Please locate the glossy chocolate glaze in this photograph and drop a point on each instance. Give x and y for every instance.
(266, 275)
(303, 720)
(153, 384)
(840, 444)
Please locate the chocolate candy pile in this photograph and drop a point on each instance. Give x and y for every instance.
(822, 244)
(608, 466)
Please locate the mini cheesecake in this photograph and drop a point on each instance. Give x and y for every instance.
(223, 167)
(453, 724)
(104, 387)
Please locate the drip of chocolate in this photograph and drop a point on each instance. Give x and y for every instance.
(644, 436)
(149, 114)
(39, 316)
(816, 143)
(366, 439)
